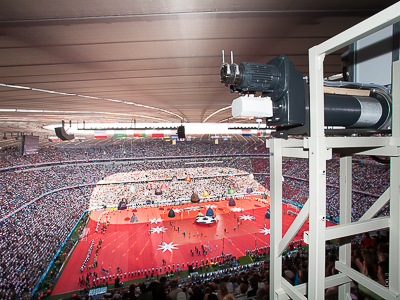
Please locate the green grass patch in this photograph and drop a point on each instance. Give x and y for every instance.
(48, 282)
(244, 260)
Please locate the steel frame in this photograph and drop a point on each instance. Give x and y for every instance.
(318, 148)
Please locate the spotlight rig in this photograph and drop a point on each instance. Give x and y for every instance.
(284, 100)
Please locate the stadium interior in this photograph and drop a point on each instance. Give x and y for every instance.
(127, 172)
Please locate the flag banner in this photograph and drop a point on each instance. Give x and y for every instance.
(139, 133)
(216, 141)
(120, 134)
(261, 133)
(173, 141)
(158, 135)
(100, 134)
(246, 132)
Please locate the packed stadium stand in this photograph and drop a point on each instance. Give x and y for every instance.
(45, 195)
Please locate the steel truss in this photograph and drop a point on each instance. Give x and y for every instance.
(318, 148)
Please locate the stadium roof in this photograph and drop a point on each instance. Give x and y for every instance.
(149, 61)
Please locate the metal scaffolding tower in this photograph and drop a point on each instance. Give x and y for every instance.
(318, 148)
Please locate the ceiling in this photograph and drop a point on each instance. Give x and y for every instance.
(151, 61)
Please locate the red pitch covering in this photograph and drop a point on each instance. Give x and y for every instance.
(130, 247)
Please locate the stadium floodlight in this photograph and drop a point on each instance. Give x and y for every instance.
(284, 99)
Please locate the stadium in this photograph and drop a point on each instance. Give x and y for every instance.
(129, 169)
(75, 195)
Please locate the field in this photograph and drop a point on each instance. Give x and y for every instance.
(136, 246)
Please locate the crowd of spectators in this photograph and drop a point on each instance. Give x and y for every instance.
(213, 180)
(369, 180)
(131, 149)
(29, 238)
(368, 176)
(30, 183)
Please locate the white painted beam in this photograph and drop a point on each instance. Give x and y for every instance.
(394, 232)
(345, 217)
(354, 228)
(280, 295)
(379, 151)
(357, 142)
(275, 161)
(295, 152)
(291, 143)
(382, 151)
(294, 228)
(317, 179)
(367, 282)
(292, 291)
(330, 281)
(373, 24)
(376, 207)
(337, 279)
(395, 141)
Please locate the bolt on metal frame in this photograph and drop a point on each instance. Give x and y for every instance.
(318, 148)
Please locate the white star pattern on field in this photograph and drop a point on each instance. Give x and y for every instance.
(177, 210)
(237, 209)
(212, 206)
(247, 218)
(168, 247)
(158, 229)
(265, 231)
(156, 220)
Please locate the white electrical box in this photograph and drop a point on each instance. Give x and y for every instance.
(250, 106)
